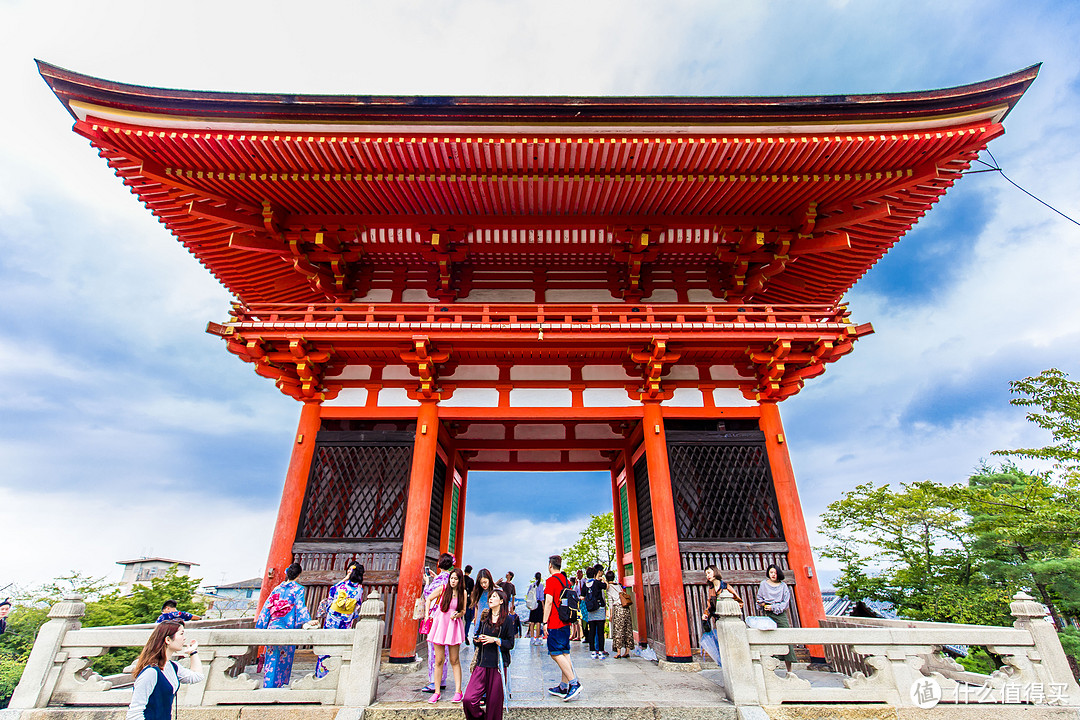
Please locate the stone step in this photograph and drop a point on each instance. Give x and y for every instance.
(551, 711)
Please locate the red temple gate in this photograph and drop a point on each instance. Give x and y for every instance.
(621, 284)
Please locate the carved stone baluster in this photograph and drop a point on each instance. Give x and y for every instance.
(43, 666)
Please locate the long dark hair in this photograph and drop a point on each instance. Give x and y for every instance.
(716, 574)
(154, 653)
(484, 573)
(485, 616)
(356, 575)
(459, 593)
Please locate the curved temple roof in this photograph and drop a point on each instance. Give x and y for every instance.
(305, 198)
(74, 89)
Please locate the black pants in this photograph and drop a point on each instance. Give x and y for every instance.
(595, 634)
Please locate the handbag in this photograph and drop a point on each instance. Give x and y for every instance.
(418, 609)
(626, 599)
(706, 627)
(425, 627)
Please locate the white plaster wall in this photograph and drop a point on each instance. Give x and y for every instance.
(354, 372)
(492, 456)
(551, 456)
(416, 295)
(349, 397)
(596, 431)
(472, 397)
(725, 372)
(607, 397)
(685, 397)
(378, 295)
(586, 456)
(682, 372)
(473, 372)
(662, 295)
(540, 372)
(579, 296)
(731, 397)
(605, 372)
(540, 432)
(397, 372)
(541, 397)
(395, 397)
(502, 295)
(484, 431)
(698, 295)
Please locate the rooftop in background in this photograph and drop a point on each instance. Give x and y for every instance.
(156, 559)
(316, 198)
(253, 584)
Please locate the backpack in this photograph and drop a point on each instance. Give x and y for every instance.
(279, 606)
(568, 604)
(530, 598)
(594, 596)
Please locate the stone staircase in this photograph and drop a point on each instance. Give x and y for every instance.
(568, 711)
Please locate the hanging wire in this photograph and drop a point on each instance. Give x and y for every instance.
(997, 168)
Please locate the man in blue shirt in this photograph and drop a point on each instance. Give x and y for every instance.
(169, 612)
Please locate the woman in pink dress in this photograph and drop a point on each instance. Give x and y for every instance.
(446, 609)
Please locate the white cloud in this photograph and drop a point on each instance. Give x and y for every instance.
(507, 541)
(47, 535)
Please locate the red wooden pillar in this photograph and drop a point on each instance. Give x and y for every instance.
(635, 545)
(292, 500)
(668, 558)
(461, 516)
(414, 544)
(800, 556)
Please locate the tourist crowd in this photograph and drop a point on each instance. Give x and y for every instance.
(453, 610)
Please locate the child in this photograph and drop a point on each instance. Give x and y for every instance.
(493, 637)
(446, 610)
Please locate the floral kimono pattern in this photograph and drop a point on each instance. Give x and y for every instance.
(439, 581)
(277, 668)
(338, 621)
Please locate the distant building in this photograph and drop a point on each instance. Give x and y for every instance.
(237, 599)
(142, 570)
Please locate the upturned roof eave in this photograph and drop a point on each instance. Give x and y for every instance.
(71, 87)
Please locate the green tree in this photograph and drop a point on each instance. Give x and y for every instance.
(1027, 527)
(596, 544)
(1058, 401)
(104, 606)
(913, 548)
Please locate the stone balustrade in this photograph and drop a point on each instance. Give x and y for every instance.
(58, 671)
(902, 660)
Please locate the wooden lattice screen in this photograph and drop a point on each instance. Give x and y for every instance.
(357, 487)
(722, 486)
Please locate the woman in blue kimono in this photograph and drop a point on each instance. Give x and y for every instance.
(285, 609)
(343, 607)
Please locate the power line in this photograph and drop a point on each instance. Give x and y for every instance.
(996, 167)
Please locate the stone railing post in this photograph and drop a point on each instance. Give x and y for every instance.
(362, 682)
(43, 666)
(1031, 616)
(739, 682)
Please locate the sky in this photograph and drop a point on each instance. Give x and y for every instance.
(126, 430)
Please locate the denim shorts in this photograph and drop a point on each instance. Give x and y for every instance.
(559, 641)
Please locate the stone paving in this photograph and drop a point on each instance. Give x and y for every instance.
(632, 681)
